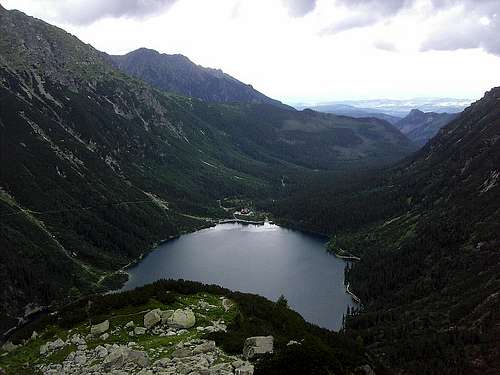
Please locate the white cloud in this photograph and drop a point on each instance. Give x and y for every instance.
(385, 45)
(469, 24)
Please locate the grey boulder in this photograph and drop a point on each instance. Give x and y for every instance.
(100, 328)
(182, 319)
(122, 355)
(206, 347)
(258, 345)
(152, 318)
(244, 370)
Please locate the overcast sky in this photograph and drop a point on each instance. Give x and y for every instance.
(305, 50)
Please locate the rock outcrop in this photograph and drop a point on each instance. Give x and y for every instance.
(206, 347)
(152, 318)
(165, 315)
(122, 356)
(8, 346)
(182, 319)
(191, 357)
(255, 346)
(100, 328)
(52, 346)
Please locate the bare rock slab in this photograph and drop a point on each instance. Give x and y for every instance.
(152, 318)
(183, 319)
(258, 345)
(100, 328)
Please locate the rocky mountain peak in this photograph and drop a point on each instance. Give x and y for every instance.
(177, 73)
(421, 126)
(31, 45)
(416, 112)
(495, 92)
(144, 52)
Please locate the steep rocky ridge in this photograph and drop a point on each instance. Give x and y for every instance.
(178, 74)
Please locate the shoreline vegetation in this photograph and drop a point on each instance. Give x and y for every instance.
(354, 297)
(342, 254)
(346, 256)
(256, 222)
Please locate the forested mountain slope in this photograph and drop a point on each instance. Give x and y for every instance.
(178, 74)
(96, 166)
(421, 126)
(352, 111)
(427, 231)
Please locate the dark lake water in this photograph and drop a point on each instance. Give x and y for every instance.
(264, 259)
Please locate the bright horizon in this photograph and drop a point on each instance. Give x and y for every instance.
(305, 51)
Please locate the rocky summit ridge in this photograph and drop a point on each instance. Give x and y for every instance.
(178, 74)
(152, 342)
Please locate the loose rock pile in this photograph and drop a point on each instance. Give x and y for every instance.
(190, 356)
(195, 357)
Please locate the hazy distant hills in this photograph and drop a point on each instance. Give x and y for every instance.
(178, 74)
(352, 111)
(395, 108)
(420, 126)
(419, 123)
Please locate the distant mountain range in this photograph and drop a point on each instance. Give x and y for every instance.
(420, 126)
(352, 111)
(395, 108)
(178, 74)
(415, 123)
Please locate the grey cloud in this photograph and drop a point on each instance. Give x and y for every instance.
(86, 12)
(385, 45)
(367, 13)
(464, 32)
(299, 8)
(382, 7)
(467, 31)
